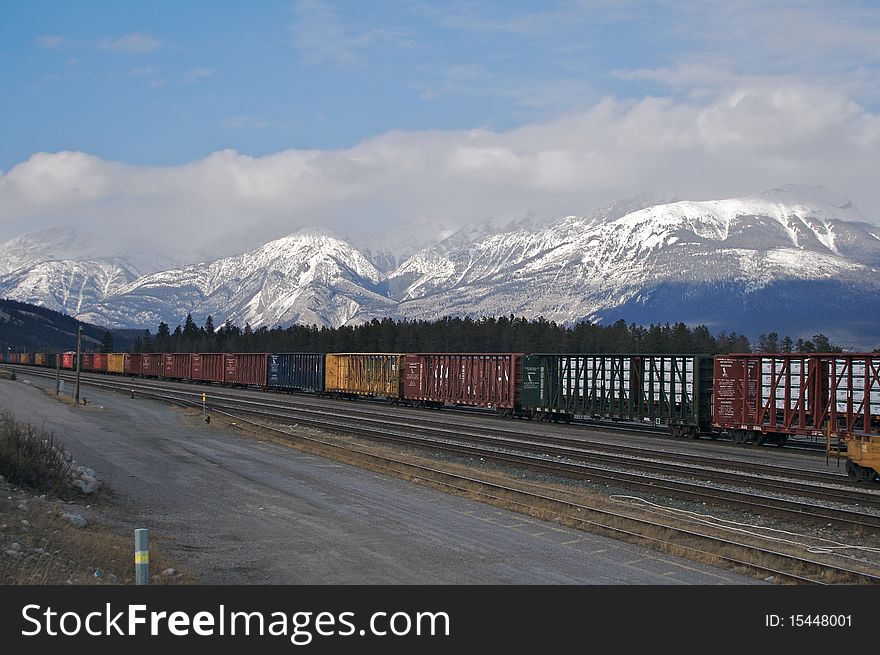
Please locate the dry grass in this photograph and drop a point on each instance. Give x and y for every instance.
(32, 459)
(54, 551)
(44, 547)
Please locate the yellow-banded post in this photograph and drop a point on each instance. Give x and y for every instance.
(142, 556)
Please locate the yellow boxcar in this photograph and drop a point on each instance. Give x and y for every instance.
(40, 359)
(116, 363)
(364, 374)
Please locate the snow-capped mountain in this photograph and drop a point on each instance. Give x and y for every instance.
(308, 277)
(744, 264)
(67, 243)
(69, 270)
(794, 260)
(67, 286)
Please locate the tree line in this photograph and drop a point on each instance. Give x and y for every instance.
(454, 334)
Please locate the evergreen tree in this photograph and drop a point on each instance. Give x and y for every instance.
(107, 342)
(209, 325)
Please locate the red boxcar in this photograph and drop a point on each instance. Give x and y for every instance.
(99, 362)
(68, 360)
(207, 367)
(133, 364)
(760, 396)
(478, 379)
(178, 365)
(245, 368)
(87, 362)
(153, 364)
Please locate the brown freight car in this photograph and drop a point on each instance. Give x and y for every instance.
(477, 379)
(835, 396)
(247, 369)
(178, 365)
(133, 364)
(207, 367)
(87, 362)
(153, 365)
(99, 362)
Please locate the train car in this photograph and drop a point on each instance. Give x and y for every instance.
(834, 396)
(246, 369)
(349, 375)
(133, 364)
(68, 360)
(296, 372)
(207, 367)
(663, 389)
(39, 359)
(475, 379)
(178, 366)
(99, 363)
(51, 360)
(153, 365)
(87, 362)
(116, 363)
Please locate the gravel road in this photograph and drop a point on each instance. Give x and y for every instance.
(232, 509)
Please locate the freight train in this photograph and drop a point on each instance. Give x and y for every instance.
(753, 397)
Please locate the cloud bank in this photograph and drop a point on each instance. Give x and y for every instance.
(750, 135)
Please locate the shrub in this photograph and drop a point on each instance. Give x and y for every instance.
(31, 459)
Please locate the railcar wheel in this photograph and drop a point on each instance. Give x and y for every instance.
(758, 438)
(852, 469)
(867, 474)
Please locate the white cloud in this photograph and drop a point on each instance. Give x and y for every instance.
(238, 122)
(193, 75)
(136, 43)
(49, 41)
(320, 36)
(741, 141)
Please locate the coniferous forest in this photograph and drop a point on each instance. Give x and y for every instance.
(503, 334)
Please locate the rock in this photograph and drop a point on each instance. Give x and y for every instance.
(169, 572)
(14, 554)
(22, 506)
(76, 519)
(88, 484)
(15, 546)
(25, 522)
(112, 578)
(38, 551)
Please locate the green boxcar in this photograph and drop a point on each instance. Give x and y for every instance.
(670, 390)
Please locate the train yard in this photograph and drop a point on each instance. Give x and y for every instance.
(651, 491)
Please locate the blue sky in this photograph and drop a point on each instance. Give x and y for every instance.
(169, 82)
(553, 107)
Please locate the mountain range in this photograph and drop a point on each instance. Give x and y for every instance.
(794, 260)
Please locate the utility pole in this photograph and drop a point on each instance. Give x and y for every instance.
(78, 357)
(57, 374)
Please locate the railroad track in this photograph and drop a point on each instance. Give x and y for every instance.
(762, 560)
(779, 565)
(552, 455)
